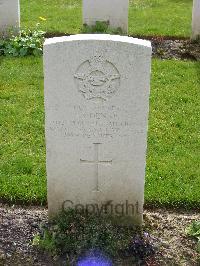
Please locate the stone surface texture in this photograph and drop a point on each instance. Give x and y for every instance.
(96, 105)
(114, 11)
(9, 17)
(196, 19)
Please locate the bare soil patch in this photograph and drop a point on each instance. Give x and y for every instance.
(179, 49)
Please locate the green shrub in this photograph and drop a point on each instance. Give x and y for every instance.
(27, 43)
(101, 27)
(194, 230)
(73, 234)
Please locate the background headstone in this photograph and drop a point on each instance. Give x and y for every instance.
(96, 106)
(114, 11)
(9, 17)
(196, 19)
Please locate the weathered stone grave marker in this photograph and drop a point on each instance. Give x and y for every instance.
(96, 106)
(113, 11)
(196, 19)
(9, 17)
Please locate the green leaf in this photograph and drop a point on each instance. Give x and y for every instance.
(23, 51)
(27, 43)
(193, 229)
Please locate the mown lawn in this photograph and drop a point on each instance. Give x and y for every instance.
(146, 17)
(173, 165)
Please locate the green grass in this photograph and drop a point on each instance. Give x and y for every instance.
(146, 17)
(61, 15)
(160, 17)
(173, 167)
(22, 165)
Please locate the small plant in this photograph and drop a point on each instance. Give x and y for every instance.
(101, 27)
(194, 231)
(27, 43)
(160, 51)
(74, 234)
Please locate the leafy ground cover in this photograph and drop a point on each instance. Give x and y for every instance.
(91, 232)
(172, 176)
(146, 17)
(164, 233)
(27, 43)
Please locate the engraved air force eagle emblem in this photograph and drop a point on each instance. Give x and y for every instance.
(97, 79)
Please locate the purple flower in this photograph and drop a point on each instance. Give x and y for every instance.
(94, 261)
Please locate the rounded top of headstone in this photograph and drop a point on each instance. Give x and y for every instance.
(98, 37)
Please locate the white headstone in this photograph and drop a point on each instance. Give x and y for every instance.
(96, 106)
(9, 17)
(196, 19)
(113, 11)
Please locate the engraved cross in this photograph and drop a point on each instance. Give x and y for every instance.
(96, 163)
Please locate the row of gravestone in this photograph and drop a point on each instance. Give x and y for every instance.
(113, 11)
